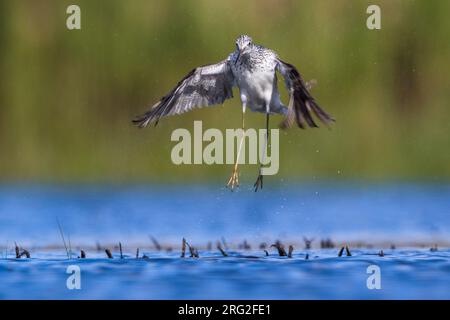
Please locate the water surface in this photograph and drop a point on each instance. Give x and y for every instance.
(375, 214)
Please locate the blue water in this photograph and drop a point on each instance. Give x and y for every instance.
(410, 215)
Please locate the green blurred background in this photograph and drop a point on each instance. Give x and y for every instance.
(67, 97)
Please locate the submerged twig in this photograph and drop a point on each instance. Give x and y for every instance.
(224, 243)
(219, 247)
(290, 250)
(6, 250)
(108, 254)
(24, 253)
(192, 250)
(155, 243)
(280, 248)
(17, 250)
(308, 242)
(244, 245)
(347, 251)
(19, 254)
(70, 246)
(326, 244)
(63, 239)
(183, 248)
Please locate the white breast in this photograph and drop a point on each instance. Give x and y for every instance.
(256, 78)
(256, 88)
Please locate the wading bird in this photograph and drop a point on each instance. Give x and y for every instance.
(252, 68)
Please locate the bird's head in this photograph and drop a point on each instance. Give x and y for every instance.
(242, 42)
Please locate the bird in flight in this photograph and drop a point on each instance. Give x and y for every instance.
(253, 69)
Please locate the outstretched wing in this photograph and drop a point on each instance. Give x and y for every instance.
(301, 103)
(203, 86)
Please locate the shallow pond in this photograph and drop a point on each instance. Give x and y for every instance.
(407, 215)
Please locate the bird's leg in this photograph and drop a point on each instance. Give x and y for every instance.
(259, 181)
(234, 179)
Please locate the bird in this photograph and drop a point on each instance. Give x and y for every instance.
(253, 70)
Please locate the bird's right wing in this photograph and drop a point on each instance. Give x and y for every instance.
(203, 86)
(301, 103)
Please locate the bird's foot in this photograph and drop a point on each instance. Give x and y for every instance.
(233, 182)
(259, 182)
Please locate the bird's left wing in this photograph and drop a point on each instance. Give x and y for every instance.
(203, 86)
(301, 104)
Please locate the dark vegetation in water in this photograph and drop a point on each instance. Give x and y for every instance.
(233, 250)
(326, 243)
(347, 252)
(308, 242)
(183, 248)
(291, 250)
(219, 247)
(20, 252)
(108, 254)
(156, 243)
(280, 247)
(224, 248)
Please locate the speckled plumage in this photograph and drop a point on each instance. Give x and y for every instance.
(254, 70)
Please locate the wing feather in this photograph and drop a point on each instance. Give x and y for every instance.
(202, 86)
(301, 104)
